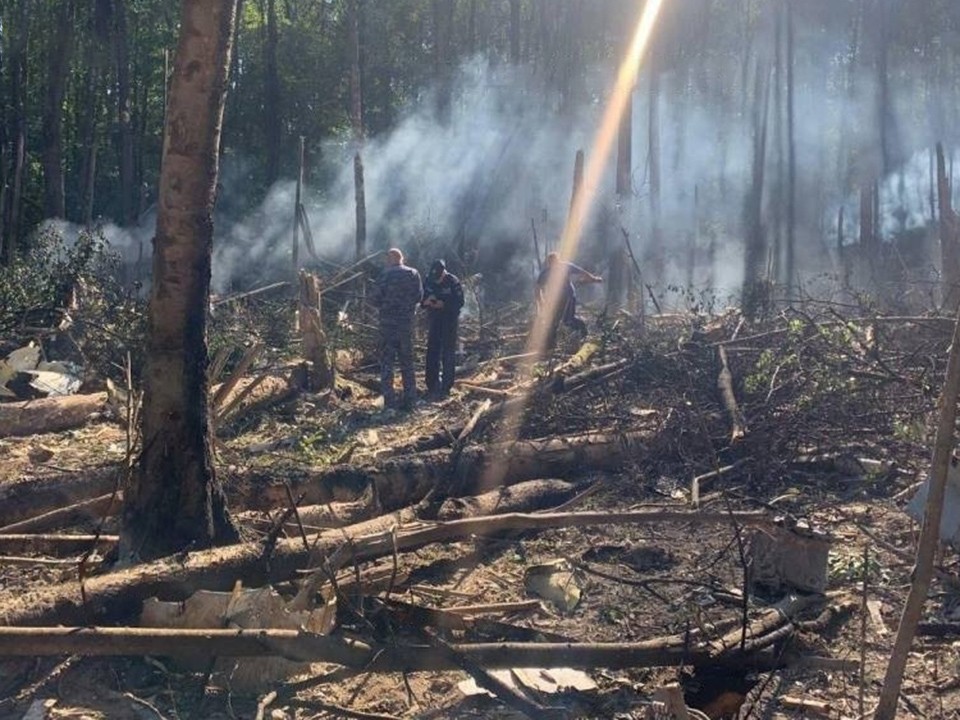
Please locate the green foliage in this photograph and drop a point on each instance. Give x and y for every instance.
(845, 566)
(36, 285)
(74, 287)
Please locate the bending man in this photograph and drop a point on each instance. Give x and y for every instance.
(396, 296)
(443, 299)
(566, 310)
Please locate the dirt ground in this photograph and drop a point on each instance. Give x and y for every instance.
(692, 575)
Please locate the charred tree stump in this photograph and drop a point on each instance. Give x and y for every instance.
(321, 372)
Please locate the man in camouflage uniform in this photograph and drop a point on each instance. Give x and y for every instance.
(397, 294)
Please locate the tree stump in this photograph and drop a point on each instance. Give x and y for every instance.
(321, 374)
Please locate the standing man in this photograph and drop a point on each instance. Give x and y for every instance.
(396, 296)
(566, 310)
(443, 299)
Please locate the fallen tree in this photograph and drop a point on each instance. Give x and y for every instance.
(119, 594)
(86, 510)
(33, 497)
(52, 544)
(402, 481)
(52, 414)
(773, 624)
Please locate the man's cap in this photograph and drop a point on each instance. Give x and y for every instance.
(438, 265)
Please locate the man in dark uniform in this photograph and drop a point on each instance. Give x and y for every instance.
(443, 299)
(566, 310)
(396, 296)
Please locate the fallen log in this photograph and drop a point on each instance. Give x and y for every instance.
(394, 482)
(52, 414)
(403, 481)
(252, 395)
(55, 544)
(29, 498)
(304, 646)
(86, 510)
(524, 497)
(119, 594)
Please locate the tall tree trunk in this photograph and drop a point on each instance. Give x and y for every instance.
(121, 48)
(443, 11)
(885, 115)
(18, 125)
(472, 27)
(515, 32)
(4, 153)
(58, 59)
(922, 574)
(175, 500)
(356, 87)
(625, 153)
(779, 184)
(949, 239)
(360, 197)
(87, 131)
(271, 96)
(791, 250)
(656, 249)
(755, 288)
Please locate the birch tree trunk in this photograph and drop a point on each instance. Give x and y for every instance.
(175, 500)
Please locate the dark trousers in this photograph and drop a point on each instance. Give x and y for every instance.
(441, 350)
(396, 345)
(567, 314)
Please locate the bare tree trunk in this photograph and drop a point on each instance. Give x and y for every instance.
(577, 178)
(443, 12)
(127, 190)
(949, 239)
(271, 96)
(175, 500)
(356, 87)
(360, 197)
(625, 153)
(790, 265)
(472, 27)
(295, 254)
(18, 123)
(515, 32)
(929, 536)
(754, 287)
(58, 58)
(655, 248)
(88, 139)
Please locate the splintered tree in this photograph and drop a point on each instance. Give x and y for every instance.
(175, 500)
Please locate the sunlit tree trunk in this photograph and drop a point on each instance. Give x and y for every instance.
(175, 500)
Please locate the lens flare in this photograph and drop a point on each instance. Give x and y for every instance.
(582, 202)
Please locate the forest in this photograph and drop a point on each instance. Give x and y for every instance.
(693, 453)
(797, 136)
